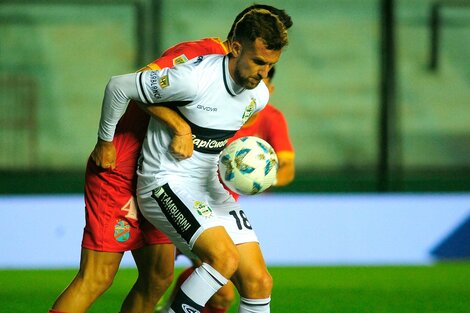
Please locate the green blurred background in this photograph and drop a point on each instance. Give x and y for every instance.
(57, 56)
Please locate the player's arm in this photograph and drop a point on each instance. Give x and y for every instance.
(145, 87)
(182, 143)
(286, 170)
(104, 153)
(280, 140)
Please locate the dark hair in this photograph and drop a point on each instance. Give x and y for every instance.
(261, 23)
(283, 16)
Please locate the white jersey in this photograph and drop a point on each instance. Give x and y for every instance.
(212, 104)
(206, 96)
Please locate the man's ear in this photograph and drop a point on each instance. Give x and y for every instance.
(236, 48)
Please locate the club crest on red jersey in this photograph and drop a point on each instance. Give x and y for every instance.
(122, 231)
(180, 59)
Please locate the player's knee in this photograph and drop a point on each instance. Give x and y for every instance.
(97, 282)
(159, 278)
(225, 260)
(265, 282)
(258, 284)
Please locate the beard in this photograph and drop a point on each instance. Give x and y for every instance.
(246, 82)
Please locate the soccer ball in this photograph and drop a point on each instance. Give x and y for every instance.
(248, 165)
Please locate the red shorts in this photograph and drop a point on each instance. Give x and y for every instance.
(113, 221)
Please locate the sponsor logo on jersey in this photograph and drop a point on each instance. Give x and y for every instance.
(170, 208)
(154, 83)
(180, 59)
(189, 309)
(209, 145)
(164, 82)
(199, 60)
(249, 110)
(208, 109)
(122, 231)
(203, 209)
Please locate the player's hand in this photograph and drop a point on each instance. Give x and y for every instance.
(182, 146)
(104, 154)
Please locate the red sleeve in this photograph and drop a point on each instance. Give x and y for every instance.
(277, 132)
(185, 51)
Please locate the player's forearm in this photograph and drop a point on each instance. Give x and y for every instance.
(118, 92)
(285, 173)
(175, 122)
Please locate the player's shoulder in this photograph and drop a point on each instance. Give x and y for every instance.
(215, 44)
(271, 111)
(187, 50)
(262, 92)
(191, 49)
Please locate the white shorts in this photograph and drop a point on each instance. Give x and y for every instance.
(183, 211)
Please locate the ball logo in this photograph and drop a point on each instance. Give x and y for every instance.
(122, 231)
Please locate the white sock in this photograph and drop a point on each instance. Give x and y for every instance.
(254, 305)
(198, 288)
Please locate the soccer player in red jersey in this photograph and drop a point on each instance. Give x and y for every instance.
(113, 223)
(270, 125)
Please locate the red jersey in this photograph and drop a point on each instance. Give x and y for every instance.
(269, 124)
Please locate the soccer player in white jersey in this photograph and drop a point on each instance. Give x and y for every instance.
(184, 198)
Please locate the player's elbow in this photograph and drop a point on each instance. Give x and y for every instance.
(284, 180)
(285, 175)
(113, 84)
(121, 89)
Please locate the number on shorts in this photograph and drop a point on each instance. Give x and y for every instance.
(241, 220)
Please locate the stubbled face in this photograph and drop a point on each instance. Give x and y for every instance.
(251, 62)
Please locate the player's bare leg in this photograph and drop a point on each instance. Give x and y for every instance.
(155, 264)
(95, 276)
(220, 302)
(252, 279)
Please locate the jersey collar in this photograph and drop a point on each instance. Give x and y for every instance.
(232, 88)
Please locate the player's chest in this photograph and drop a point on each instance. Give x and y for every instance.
(221, 111)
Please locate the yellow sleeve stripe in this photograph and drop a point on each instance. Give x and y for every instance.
(285, 154)
(221, 43)
(153, 66)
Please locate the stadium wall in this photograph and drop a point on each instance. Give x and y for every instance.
(302, 229)
(57, 57)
